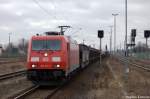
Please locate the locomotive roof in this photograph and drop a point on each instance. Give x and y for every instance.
(40, 37)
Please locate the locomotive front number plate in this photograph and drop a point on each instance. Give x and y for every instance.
(45, 59)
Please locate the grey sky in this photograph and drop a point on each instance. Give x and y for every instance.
(24, 18)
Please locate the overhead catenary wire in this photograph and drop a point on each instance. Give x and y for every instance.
(43, 9)
(48, 13)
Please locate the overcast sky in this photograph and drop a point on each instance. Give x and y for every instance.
(24, 18)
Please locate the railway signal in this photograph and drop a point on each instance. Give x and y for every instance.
(133, 32)
(100, 35)
(146, 35)
(133, 35)
(132, 42)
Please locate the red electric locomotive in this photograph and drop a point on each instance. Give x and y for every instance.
(51, 58)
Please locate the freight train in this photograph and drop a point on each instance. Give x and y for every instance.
(52, 58)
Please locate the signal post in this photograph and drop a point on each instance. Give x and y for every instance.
(100, 35)
(133, 35)
(146, 35)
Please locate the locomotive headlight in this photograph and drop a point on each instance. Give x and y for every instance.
(57, 66)
(33, 66)
(56, 59)
(34, 59)
(45, 54)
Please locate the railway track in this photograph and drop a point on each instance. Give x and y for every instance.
(124, 59)
(14, 74)
(53, 92)
(25, 92)
(9, 62)
(29, 91)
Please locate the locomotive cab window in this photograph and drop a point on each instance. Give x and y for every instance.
(54, 45)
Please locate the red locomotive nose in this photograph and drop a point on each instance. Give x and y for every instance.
(47, 53)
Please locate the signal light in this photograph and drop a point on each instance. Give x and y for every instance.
(100, 33)
(147, 33)
(133, 32)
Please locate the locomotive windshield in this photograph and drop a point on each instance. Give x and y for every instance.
(46, 45)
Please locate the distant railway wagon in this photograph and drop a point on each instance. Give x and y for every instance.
(84, 55)
(53, 58)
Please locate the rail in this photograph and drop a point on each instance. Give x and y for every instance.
(14, 74)
(25, 92)
(124, 59)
